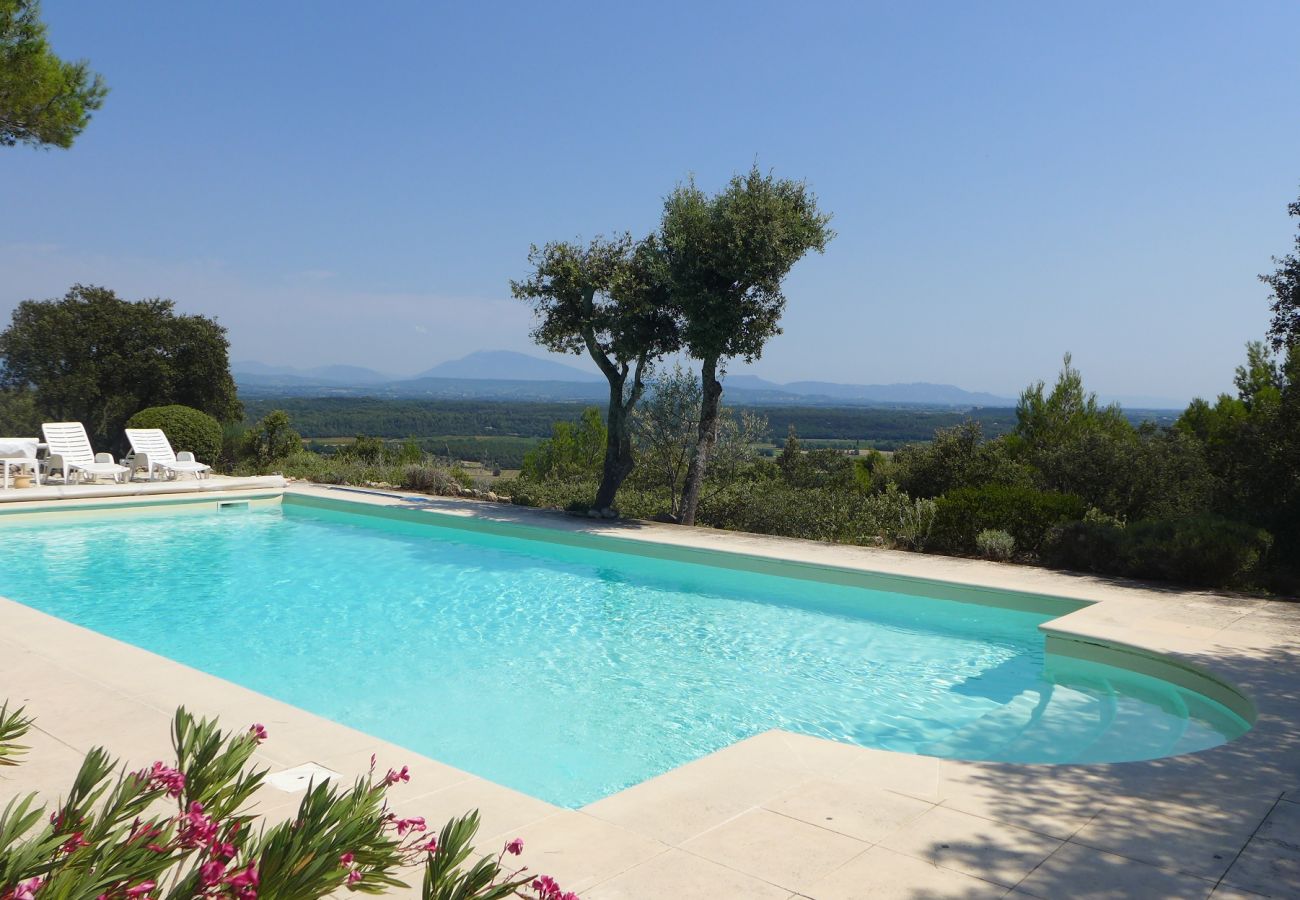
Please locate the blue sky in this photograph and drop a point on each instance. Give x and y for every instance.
(357, 183)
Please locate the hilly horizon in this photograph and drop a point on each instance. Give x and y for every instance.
(509, 374)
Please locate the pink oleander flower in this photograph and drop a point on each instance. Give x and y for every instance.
(354, 876)
(373, 759)
(223, 850)
(171, 780)
(27, 889)
(258, 731)
(210, 873)
(140, 889)
(431, 846)
(546, 887)
(346, 859)
(245, 883)
(405, 825)
(197, 829)
(568, 895)
(515, 847)
(76, 841)
(394, 776)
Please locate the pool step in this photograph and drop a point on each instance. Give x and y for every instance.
(1072, 720)
(984, 737)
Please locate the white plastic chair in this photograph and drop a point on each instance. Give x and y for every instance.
(70, 452)
(151, 450)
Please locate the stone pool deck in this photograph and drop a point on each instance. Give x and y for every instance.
(783, 815)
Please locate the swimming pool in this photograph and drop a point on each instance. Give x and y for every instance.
(570, 672)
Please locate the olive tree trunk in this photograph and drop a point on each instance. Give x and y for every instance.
(618, 441)
(710, 407)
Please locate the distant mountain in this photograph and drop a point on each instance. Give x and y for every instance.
(916, 394)
(505, 375)
(506, 365)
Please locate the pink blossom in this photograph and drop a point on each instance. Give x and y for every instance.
(568, 895)
(354, 876)
(546, 887)
(393, 776)
(373, 760)
(432, 846)
(27, 889)
(197, 830)
(223, 850)
(143, 887)
(172, 780)
(515, 847)
(405, 825)
(245, 883)
(346, 859)
(210, 872)
(74, 842)
(258, 731)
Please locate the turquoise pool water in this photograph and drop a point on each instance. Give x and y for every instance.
(571, 673)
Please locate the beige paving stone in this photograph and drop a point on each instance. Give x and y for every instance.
(882, 874)
(903, 773)
(427, 775)
(576, 849)
(684, 876)
(1267, 867)
(1228, 892)
(865, 813)
(1080, 872)
(500, 809)
(1175, 844)
(1282, 826)
(687, 801)
(994, 851)
(776, 848)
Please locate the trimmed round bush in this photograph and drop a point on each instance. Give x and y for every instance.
(186, 429)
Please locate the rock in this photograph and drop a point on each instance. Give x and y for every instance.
(492, 496)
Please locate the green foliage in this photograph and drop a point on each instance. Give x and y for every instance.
(143, 354)
(574, 450)
(1205, 551)
(664, 430)
(994, 543)
(1064, 414)
(1024, 513)
(14, 724)
(429, 480)
(726, 257)
(185, 827)
(18, 414)
(186, 429)
(1284, 284)
(957, 457)
(271, 439)
(44, 100)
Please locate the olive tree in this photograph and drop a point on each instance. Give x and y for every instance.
(607, 300)
(665, 426)
(725, 258)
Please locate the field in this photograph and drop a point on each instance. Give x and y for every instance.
(497, 433)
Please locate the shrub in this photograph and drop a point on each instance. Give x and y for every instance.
(902, 520)
(1024, 513)
(1205, 550)
(186, 429)
(429, 480)
(994, 543)
(182, 829)
(273, 438)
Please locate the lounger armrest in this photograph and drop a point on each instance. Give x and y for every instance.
(185, 456)
(55, 461)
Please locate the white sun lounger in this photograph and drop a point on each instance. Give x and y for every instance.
(70, 452)
(151, 450)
